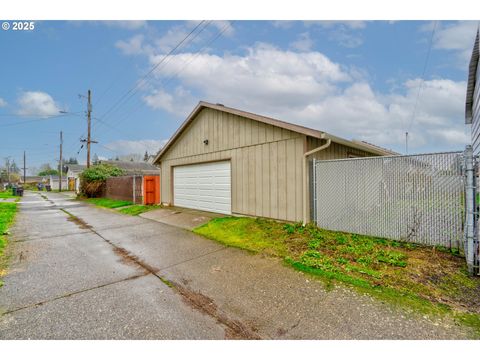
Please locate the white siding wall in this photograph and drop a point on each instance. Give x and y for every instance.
(476, 115)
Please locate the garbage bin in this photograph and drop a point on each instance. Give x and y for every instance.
(14, 190)
(20, 191)
(48, 187)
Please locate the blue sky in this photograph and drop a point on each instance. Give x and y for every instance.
(354, 79)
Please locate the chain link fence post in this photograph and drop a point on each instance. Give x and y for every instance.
(469, 209)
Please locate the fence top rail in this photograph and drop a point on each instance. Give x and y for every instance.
(125, 176)
(391, 156)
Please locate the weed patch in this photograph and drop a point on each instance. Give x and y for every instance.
(108, 203)
(138, 209)
(7, 214)
(7, 195)
(419, 277)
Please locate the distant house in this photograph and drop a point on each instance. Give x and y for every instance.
(54, 182)
(472, 103)
(33, 179)
(139, 184)
(231, 161)
(73, 176)
(133, 167)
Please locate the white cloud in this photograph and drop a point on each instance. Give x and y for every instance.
(351, 24)
(126, 24)
(282, 24)
(345, 38)
(225, 26)
(3, 103)
(308, 88)
(179, 103)
(265, 73)
(132, 46)
(303, 43)
(124, 147)
(344, 33)
(457, 37)
(160, 45)
(37, 103)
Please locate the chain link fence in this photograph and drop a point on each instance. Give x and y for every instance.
(415, 198)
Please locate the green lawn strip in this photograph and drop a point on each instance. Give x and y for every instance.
(7, 214)
(425, 279)
(135, 210)
(7, 195)
(108, 203)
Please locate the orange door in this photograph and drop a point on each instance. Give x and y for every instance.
(71, 184)
(151, 189)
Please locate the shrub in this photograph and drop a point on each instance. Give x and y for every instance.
(93, 179)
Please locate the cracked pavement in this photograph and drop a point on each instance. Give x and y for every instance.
(82, 272)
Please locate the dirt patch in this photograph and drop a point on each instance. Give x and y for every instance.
(128, 258)
(235, 330)
(79, 222)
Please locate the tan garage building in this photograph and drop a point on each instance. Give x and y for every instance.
(234, 162)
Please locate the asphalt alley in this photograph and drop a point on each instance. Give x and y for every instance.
(81, 272)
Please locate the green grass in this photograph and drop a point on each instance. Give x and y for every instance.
(108, 203)
(7, 214)
(135, 210)
(422, 278)
(7, 194)
(128, 208)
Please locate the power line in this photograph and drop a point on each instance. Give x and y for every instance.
(422, 81)
(38, 119)
(165, 60)
(212, 40)
(117, 78)
(135, 88)
(138, 85)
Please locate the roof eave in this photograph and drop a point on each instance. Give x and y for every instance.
(203, 104)
(472, 74)
(275, 122)
(356, 145)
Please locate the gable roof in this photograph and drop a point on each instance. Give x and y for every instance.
(472, 74)
(77, 168)
(270, 121)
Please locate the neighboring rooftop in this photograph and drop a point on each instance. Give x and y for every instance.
(133, 167)
(376, 147)
(76, 167)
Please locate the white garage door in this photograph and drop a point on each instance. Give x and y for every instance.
(203, 186)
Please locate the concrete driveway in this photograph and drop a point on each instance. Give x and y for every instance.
(81, 272)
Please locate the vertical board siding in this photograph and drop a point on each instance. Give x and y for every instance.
(258, 180)
(266, 162)
(266, 179)
(290, 176)
(274, 180)
(282, 183)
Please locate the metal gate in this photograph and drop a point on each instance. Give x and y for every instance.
(415, 198)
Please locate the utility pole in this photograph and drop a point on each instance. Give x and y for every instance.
(89, 115)
(24, 169)
(61, 163)
(89, 122)
(7, 164)
(406, 142)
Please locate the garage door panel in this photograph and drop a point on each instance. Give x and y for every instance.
(203, 186)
